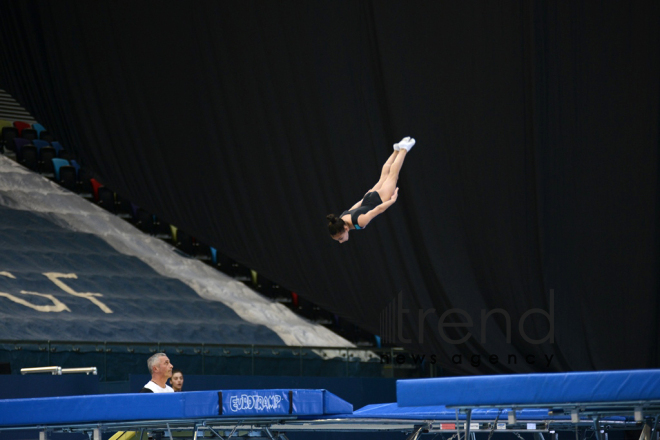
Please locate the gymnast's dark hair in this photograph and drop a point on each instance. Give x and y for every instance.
(335, 224)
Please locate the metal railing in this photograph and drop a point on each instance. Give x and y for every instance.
(58, 371)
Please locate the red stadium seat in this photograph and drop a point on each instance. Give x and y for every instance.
(95, 188)
(20, 125)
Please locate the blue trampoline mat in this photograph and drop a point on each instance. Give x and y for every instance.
(531, 389)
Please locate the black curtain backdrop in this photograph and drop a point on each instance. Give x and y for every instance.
(532, 192)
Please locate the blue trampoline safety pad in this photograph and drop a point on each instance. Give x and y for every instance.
(282, 402)
(531, 389)
(172, 406)
(393, 411)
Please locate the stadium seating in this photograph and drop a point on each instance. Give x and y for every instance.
(4, 124)
(95, 188)
(84, 181)
(144, 221)
(58, 147)
(7, 137)
(75, 164)
(46, 155)
(202, 251)
(46, 136)
(29, 133)
(39, 129)
(106, 198)
(40, 143)
(57, 164)
(162, 229)
(29, 157)
(67, 177)
(66, 154)
(123, 207)
(224, 263)
(20, 126)
(19, 143)
(184, 242)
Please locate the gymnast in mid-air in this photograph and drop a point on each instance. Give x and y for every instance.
(377, 200)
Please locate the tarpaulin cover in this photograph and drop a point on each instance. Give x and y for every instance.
(537, 389)
(60, 284)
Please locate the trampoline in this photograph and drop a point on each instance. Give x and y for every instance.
(536, 403)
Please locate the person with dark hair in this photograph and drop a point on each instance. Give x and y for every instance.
(161, 369)
(376, 200)
(177, 380)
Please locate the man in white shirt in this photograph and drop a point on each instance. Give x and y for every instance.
(161, 370)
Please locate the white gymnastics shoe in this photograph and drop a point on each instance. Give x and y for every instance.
(397, 146)
(407, 143)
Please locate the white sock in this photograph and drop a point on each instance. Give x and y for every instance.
(407, 144)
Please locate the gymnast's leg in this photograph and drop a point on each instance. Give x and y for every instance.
(386, 171)
(389, 184)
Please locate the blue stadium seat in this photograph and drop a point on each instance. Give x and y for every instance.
(57, 164)
(58, 147)
(40, 144)
(38, 128)
(75, 164)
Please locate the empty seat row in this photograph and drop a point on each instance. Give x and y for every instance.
(67, 173)
(25, 130)
(19, 143)
(38, 158)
